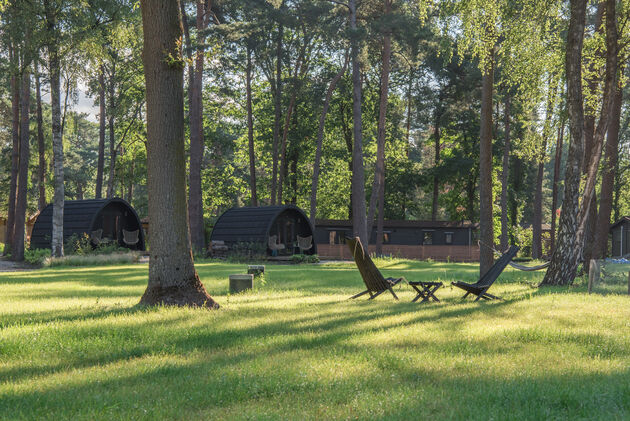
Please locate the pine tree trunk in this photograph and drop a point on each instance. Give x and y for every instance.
(277, 104)
(436, 181)
(195, 199)
(564, 259)
(486, 229)
(22, 187)
(101, 135)
(505, 179)
(112, 134)
(320, 137)
(556, 181)
(250, 129)
(409, 103)
(173, 279)
(379, 169)
(15, 153)
(41, 145)
(359, 222)
(55, 99)
(600, 247)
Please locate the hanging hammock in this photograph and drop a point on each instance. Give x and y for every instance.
(516, 265)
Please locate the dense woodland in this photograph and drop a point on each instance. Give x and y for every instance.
(359, 109)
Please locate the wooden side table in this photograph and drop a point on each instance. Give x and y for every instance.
(427, 292)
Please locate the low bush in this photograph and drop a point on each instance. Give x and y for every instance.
(304, 258)
(93, 259)
(36, 257)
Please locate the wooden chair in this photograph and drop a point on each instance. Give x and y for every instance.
(374, 281)
(305, 243)
(480, 287)
(274, 246)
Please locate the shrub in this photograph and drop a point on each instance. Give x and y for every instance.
(304, 258)
(94, 259)
(36, 257)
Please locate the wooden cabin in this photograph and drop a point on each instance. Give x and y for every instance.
(620, 232)
(104, 220)
(274, 229)
(437, 240)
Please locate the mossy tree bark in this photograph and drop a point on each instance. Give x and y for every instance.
(173, 279)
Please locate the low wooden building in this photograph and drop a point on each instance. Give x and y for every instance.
(437, 240)
(620, 232)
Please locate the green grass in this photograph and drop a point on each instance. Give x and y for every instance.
(74, 345)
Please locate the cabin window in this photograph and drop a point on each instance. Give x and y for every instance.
(448, 237)
(427, 238)
(387, 236)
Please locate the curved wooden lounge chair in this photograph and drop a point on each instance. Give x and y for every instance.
(374, 281)
(480, 287)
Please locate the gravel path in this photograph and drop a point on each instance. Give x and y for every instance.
(10, 266)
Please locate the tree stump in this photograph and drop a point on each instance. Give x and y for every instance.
(241, 282)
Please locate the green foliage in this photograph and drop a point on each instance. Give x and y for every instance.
(36, 257)
(304, 258)
(245, 252)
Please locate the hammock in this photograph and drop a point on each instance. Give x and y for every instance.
(516, 265)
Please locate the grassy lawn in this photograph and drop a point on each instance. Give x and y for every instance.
(73, 345)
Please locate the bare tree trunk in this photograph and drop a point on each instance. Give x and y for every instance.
(379, 170)
(320, 137)
(41, 146)
(537, 250)
(505, 179)
(486, 229)
(98, 193)
(600, 247)
(173, 279)
(359, 222)
(556, 181)
(55, 96)
(112, 133)
(131, 178)
(436, 181)
(250, 129)
(15, 152)
(409, 102)
(277, 114)
(195, 199)
(20, 200)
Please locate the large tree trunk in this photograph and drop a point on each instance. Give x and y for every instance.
(250, 129)
(320, 137)
(195, 199)
(15, 152)
(277, 104)
(55, 99)
(486, 229)
(20, 200)
(173, 279)
(379, 169)
(556, 181)
(112, 134)
(505, 179)
(437, 146)
(98, 193)
(41, 146)
(359, 222)
(600, 246)
(564, 259)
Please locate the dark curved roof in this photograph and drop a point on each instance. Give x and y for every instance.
(251, 224)
(79, 217)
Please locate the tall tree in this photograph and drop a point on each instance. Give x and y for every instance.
(277, 105)
(54, 66)
(486, 225)
(505, 174)
(556, 177)
(41, 146)
(101, 133)
(359, 218)
(250, 128)
(173, 279)
(15, 151)
(22, 187)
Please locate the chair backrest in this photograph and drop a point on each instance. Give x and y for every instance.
(372, 277)
(96, 235)
(272, 242)
(130, 237)
(305, 243)
(493, 273)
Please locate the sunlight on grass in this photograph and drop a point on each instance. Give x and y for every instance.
(74, 345)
